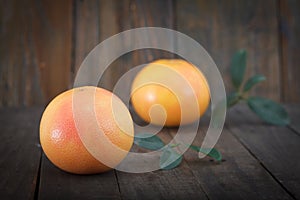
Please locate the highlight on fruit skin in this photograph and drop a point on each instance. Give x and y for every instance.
(60, 139)
(170, 92)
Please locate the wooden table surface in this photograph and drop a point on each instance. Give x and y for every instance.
(260, 162)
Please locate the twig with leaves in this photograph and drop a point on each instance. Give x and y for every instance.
(170, 157)
(266, 109)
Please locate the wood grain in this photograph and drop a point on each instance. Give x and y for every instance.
(43, 43)
(35, 51)
(94, 22)
(260, 161)
(86, 31)
(275, 147)
(20, 153)
(238, 176)
(135, 14)
(223, 27)
(178, 183)
(294, 114)
(57, 184)
(19, 72)
(290, 41)
(52, 30)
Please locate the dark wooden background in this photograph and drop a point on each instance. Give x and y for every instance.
(43, 42)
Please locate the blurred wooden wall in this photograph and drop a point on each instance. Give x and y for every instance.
(43, 42)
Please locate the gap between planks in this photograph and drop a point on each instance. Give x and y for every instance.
(269, 144)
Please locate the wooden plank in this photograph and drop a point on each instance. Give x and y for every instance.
(275, 147)
(94, 22)
(144, 13)
(294, 113)
(178, 183)
(57, 184)
(52, 35)
(140, 13)
(35, 50)
(290, 41)
(238, 176)
(223, 27)
(109, 27)
(86, 31)
(20, 153)
(19, 72)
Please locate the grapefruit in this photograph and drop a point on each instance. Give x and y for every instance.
(63, 145)
(174, 84)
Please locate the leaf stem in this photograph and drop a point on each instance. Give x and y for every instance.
(174, 145)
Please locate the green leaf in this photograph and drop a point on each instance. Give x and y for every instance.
(269, 111)
(148, 141)
(238, 67)
(233, 99)
(253, 81)
(169, 159)
(213, 153)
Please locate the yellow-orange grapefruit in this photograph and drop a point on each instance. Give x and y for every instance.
(146, 93)
(59, 137)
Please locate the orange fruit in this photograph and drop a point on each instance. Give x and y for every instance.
(172, 84)
(59, 134)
